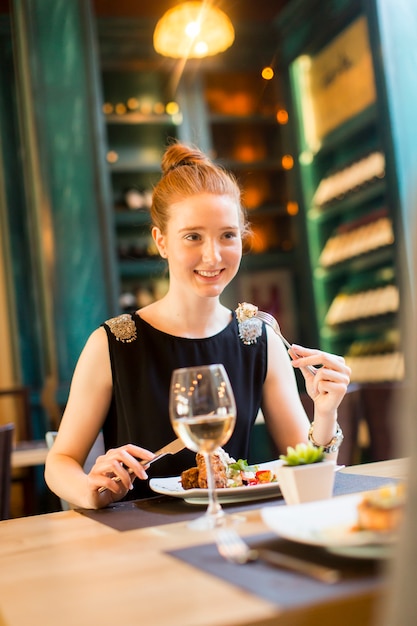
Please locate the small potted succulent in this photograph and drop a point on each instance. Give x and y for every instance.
(305, 474)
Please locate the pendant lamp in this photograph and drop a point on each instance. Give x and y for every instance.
(193, 30)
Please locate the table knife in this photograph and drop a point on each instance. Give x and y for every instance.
(171, 448)
(314, 570)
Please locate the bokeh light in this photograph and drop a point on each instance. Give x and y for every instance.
(267, 73)
(282, 116)
(287, 162)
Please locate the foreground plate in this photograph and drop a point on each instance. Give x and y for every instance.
(172, 487)
(331, 525)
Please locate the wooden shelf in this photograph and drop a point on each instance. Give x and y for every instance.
(139, 118)
(349, 131)
(132, 218)
(142, 268)
(259, 119)
(267, 260)
(363, 196)
(132, 168)
(267, 165)
(363, 263)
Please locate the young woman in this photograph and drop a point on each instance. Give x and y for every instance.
(121, 381)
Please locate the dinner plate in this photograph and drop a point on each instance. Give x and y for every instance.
(172, 487)
(331, 524)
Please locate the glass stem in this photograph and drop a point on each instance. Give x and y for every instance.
(214, 509)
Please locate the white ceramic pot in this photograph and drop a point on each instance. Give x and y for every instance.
(306, 483)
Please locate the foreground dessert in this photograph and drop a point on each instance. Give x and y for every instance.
(382, 510)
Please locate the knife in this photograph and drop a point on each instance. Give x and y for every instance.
(308, 568)
(171, 448)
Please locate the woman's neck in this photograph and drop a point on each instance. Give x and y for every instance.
(192, 318)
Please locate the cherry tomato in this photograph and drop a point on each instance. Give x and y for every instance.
(264, 476)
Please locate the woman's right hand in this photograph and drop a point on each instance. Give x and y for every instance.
(116, 463)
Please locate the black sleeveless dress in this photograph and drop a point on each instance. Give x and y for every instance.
(142, 360)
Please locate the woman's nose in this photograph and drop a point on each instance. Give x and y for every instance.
(211, 252)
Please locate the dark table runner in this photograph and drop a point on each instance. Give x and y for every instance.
(284, 588)
(123, 516)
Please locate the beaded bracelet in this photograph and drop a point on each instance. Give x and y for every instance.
(333, 445)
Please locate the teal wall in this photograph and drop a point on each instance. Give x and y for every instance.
(59, 223)
(14, 211)
(397, 25)
(65, 110)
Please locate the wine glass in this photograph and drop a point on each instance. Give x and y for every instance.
(202, 409)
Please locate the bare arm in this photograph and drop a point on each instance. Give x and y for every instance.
(327, 389)
(88, 403)
(283, 409)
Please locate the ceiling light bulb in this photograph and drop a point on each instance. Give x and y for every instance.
(201, 20)
(201, 48)
(192, 29)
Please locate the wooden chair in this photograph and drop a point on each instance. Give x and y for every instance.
(381, 402)
(15, 408)
(6, 442)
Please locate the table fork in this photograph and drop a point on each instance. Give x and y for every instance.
(235, 550)
(272, 322)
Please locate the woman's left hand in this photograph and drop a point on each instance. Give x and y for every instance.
(328, 386)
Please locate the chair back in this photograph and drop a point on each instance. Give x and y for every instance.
(15, 408)
(6, 442)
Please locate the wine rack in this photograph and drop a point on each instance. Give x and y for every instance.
(341, 141)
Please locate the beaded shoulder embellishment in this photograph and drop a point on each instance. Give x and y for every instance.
(250, 327)
(123, 328)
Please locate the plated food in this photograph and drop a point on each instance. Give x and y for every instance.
(257, 490)
(334, 525)
(227, 472)
(382, 510)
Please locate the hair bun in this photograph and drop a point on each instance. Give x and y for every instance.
(179, 154)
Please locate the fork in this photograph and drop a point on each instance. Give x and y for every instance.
(235, 550)
(271, 321)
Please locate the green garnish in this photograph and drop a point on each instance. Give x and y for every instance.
(303, 454)
(241, 465)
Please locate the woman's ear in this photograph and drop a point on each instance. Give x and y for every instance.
(159, 240)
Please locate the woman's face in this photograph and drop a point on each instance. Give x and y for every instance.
(202, 243)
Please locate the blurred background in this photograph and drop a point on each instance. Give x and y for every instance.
(312, 108)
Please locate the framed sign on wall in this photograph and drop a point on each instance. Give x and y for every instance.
(337, 83)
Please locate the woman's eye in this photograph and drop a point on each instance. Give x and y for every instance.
(231, 235)
(192, 237)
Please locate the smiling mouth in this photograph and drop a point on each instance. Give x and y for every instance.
(207, 274)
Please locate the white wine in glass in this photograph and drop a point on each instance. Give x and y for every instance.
(202, 409)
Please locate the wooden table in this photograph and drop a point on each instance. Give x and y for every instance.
(65, 568)
(29, 454)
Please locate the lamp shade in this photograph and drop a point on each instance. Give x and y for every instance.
(193, 30)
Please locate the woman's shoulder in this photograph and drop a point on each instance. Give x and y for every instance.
(121, 328)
